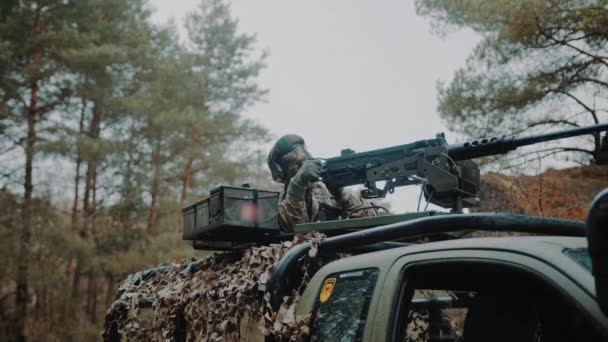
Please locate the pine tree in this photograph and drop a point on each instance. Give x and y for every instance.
(225, 67)
(107, 65)
(32, 34)
(53, 51)
(95, 85)
(539, 64)
(156, 114)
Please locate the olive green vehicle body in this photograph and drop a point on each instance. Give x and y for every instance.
(540, 256)
(429, 276)
(542, 259)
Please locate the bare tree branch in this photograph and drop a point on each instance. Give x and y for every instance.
(552, 122)
(567, 40)
(581, 103)
(13, 146)
(593, 80)
(562, 149)
(526, 161)
(551, 151)
(600, 59)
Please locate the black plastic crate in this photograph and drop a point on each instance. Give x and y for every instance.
(233, 214)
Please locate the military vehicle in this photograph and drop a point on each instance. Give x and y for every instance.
(422, 276)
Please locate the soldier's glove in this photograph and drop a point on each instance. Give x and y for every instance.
(310, 171)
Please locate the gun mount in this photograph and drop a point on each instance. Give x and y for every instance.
(449, 177)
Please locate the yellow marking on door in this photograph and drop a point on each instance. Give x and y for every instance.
(327, 289)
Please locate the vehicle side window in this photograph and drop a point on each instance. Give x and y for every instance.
(436, 315)
(342, 306)
(477, 302)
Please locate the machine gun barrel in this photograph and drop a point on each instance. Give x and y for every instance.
(449, 176)
(500, 145)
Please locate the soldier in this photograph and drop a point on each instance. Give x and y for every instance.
(303, 195)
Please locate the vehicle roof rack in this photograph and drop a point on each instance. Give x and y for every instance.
(286, 274)
(339, 227)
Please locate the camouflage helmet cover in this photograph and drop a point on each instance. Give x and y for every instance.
(284, 145)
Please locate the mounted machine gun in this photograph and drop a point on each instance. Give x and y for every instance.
(236, 217)
(449, 177)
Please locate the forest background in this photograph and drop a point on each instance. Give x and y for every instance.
(148, 121)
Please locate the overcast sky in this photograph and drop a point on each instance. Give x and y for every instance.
(357, 74)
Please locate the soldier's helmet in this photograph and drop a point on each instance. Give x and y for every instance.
(284, 145)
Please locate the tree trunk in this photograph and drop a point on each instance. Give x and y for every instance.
(21, 298)
(111, 289)
(195, 140)
(75, 293)
(91, 175)
(26, 233)
(78, 162)
(154, 189)
(73, 306)
(71, 278)
(128, 184)
(86, 201)
(185, 186)
(92, 296)
(24, 243)
(75, 202)
(152, 214)
(93, 214)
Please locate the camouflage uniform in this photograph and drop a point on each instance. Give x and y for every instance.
(294, 210)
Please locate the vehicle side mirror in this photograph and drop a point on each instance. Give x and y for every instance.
(597, 236)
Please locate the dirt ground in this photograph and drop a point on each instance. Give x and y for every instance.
(565, 193)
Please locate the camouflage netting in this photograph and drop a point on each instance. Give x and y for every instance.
(222, 297)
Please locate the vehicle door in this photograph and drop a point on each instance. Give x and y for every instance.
(342, 296)
(483, 295)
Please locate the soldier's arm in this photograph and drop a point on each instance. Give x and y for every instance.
(352, 202)
(292, 210)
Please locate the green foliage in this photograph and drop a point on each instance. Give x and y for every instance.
(127, 112)
(164, 249)
(225, 67)
(539, 63)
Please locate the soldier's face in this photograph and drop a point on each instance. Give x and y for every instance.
(294, 160)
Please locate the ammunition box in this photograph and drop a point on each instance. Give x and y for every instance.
(233, 214)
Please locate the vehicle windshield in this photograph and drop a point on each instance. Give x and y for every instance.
(581, 256)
